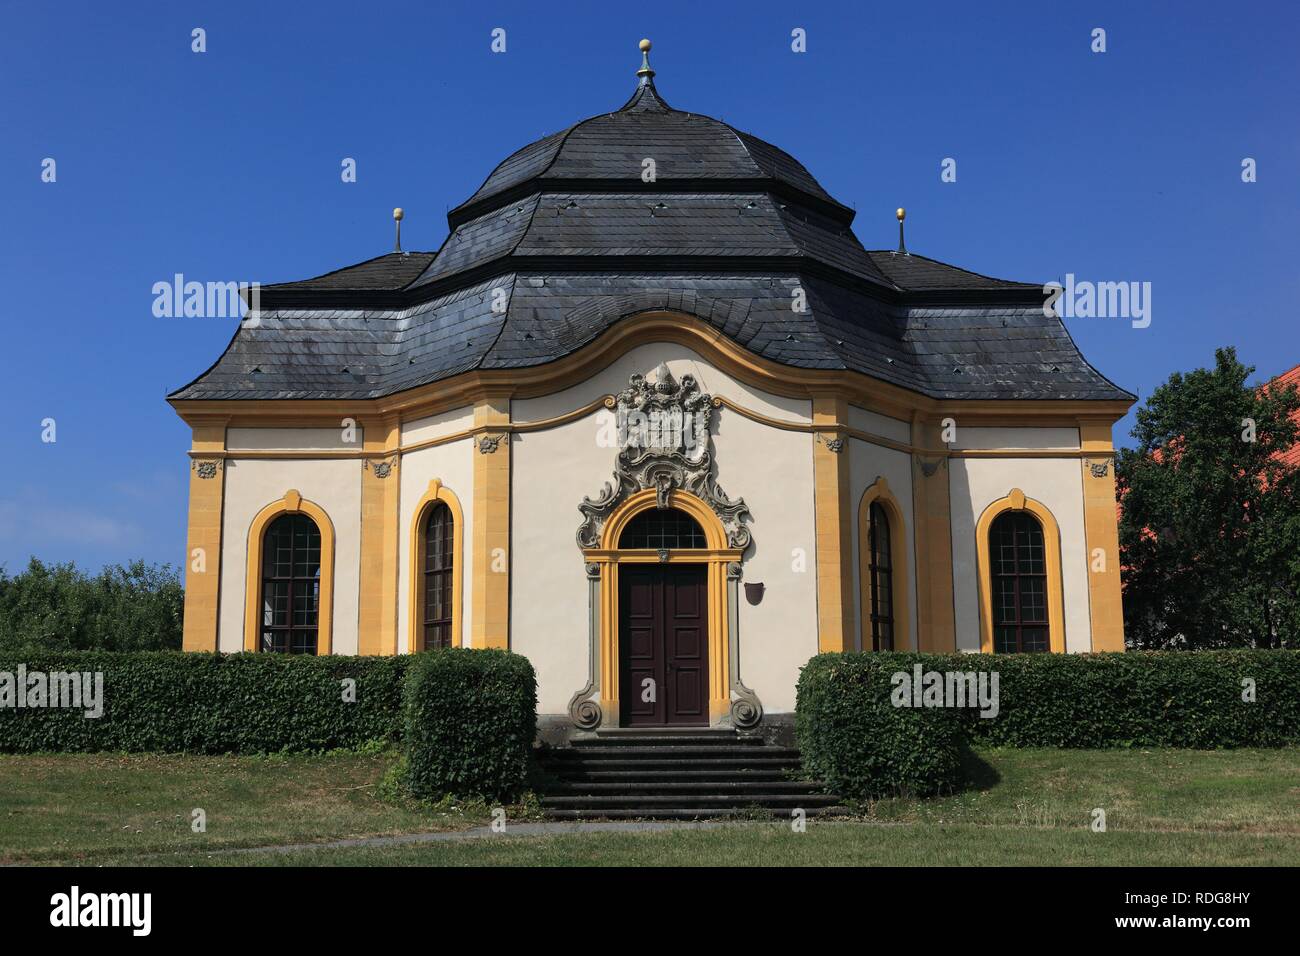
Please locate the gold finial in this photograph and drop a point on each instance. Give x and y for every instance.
(397, 218)
(901, 213)
(646, 74)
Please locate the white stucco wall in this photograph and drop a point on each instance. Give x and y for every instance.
(437, 426)
(975, 483)
(294, 439)
(876, 424)
(553, 469)
(1006, 438)
(252, 484)
(867, 462)
(453, 465)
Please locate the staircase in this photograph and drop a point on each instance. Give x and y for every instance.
(676, 775)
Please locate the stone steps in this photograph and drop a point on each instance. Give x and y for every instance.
(677, 775)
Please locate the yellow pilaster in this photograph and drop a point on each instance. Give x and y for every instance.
(380, 487)
(490, 594)
(834, 532)
(936, 629)
(203, 539)
(1101, 532)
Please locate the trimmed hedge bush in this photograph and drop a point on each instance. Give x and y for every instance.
(471, 716)
(170, 702)
(1187, 699)
(852, 736)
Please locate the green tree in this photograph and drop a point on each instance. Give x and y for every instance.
(1210, 525)
(57, 607)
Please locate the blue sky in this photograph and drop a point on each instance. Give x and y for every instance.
(225, 166)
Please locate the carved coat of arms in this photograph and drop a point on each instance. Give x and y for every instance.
(664, 442)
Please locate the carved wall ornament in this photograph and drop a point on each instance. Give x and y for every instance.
(584, 706)
(487, 444)
(207, 467)
(746, 709)
(665, 443)
(1099, 469)
(382, 467)
(928, 468)
(835, 445)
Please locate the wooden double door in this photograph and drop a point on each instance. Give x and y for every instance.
(663, 645)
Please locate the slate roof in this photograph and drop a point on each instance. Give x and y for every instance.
(565, 238)
(685, 147)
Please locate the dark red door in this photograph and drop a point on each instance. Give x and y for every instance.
(663, 645)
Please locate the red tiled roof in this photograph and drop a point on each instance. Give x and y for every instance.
(1290, 377)
(1291, 457)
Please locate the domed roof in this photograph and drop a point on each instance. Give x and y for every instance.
(650, 187)
(612, 149)
(572, 234)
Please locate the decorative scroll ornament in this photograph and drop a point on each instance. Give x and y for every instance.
(584, 706)
(664, 443)
(1099, 469)
(207, 467)
(382, 467)
(746, 709)
(487, 444)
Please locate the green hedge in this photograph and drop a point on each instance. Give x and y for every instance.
(169, 702)
(471, 716)
(852, 736)
(1187, 699)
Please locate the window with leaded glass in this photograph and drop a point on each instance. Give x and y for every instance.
(881, 573)
(291, 570)
(1019, 577)
(659, 528)
(436, 603)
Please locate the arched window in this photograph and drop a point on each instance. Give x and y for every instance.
(881, 571)
(291, 585)
(1018, 559)
(883, 596)
(439, 557)
(659, 528)
(435, 571)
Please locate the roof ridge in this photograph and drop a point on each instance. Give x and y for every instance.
(949, 265)
(643, 89)
(355, 265)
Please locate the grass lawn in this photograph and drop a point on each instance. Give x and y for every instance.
(1163, 807)
(90, 808)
